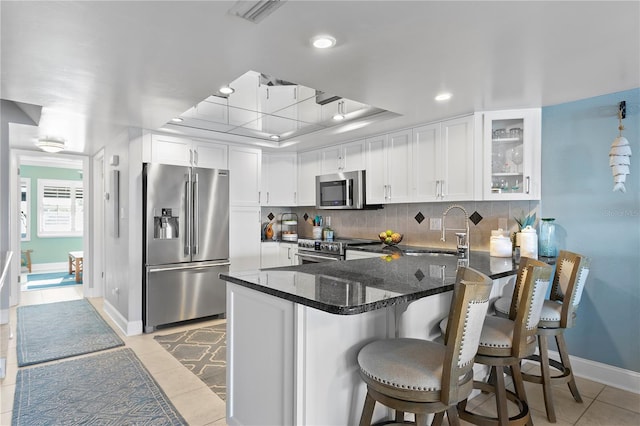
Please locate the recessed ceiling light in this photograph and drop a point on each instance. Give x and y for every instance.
(443, 97)
(226, 90)
(323, 41)
(275, 137)
(177, 120)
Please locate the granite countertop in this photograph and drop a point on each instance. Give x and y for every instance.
(357, 286)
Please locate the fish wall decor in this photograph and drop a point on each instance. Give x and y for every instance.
(619, 154)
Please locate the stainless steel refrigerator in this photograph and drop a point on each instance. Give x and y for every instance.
(186, 243)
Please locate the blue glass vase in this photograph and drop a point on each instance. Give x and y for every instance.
(547, 238)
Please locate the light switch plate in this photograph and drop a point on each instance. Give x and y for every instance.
(435, 224)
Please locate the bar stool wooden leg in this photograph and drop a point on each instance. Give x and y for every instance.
(564, 358)
(543, 346)
(367, 410)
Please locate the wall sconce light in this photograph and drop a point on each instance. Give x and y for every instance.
(51, 144)
(619, 153)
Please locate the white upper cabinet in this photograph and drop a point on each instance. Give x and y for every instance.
(245, 173)
(187, 152)
(443, 161)
(512, 149)
(308, 169)
(279, 179)
(343, 158)
(389, 168)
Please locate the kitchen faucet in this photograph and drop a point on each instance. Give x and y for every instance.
(462, 237)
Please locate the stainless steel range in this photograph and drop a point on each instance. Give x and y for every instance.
(315, 251)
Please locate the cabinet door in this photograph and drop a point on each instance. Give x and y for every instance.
(279, 179)
(171, 150)
(331, 160)
(376, 162)
(353, 156)
(399, 167)
(210, 155)
(457, 160)
(270, 254)
(511, 142)
(245, 165)
(426, 151)
(244, 238)
(308, 169)
(287, 254)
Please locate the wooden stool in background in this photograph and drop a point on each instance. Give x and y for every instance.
(26, 259)
(75, 264)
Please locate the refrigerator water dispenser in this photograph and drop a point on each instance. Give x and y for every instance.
(165, 226)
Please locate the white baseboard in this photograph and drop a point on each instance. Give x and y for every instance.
(603, 373)
(129, 328)
(46, 267)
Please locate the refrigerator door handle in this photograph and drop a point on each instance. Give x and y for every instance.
(179, 267)
(188, 216)
(196, 215)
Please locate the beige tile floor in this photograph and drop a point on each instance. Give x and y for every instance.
(603, 405)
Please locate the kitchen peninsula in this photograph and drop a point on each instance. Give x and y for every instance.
(294, 332)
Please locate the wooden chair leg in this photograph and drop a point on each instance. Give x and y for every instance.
(501, 396)
(399, 416)
(518, 385)
(452, 416)
(421, 419)
(439, 417)
(367, 410)
(543, 346)
(564, 358)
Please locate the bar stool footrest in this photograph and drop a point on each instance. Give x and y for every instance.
(564, 376)
(522, 418)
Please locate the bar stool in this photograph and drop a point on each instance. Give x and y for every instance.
(504, 342)
(558, 314)
(424, 377)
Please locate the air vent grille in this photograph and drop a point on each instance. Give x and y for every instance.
(255, 11)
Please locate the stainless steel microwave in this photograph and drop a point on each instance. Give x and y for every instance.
(344, 190)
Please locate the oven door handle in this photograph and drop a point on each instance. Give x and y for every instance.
(314, 256)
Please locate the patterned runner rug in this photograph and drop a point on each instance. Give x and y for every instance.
(110, 388)
(204, 352)
(61, 330)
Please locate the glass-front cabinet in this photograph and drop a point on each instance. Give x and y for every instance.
(511, 155)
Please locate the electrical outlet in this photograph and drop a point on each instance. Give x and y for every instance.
(435, 224)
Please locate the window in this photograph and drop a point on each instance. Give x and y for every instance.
(25, 209)
(60, 208)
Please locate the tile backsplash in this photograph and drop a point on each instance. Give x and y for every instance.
(413, 221)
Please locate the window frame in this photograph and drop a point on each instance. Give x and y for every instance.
(72, 185)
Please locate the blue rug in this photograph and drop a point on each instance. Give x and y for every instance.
(50, 280)
(61, 330)
(111, 388)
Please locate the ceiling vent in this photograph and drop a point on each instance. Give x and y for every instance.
(255, 11)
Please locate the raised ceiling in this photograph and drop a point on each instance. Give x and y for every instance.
(98, 68)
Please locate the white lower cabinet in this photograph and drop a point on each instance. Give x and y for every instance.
(275, 254)
(244, 241)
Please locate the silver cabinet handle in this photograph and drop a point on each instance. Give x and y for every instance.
(195, 157)
(442, 189)
(389, 192)
(295, 197)
(528, 184)
(385, 192)
(259, 197)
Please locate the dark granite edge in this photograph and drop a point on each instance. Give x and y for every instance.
(334, 309)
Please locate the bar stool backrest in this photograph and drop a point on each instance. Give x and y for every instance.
(466, 317)
(571, 274)
(531, 286)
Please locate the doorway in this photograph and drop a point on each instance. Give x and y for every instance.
(52, 208)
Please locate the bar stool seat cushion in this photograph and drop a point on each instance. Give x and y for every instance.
(404, 363)
(551, 312)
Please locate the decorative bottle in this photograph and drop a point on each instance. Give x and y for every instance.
(547, 240)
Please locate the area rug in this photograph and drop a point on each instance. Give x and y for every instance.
(204, 352)
(60, 330)
(110, 388)
(49, 280)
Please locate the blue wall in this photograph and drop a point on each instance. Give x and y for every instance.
(577, 190)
